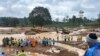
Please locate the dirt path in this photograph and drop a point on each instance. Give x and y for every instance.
(70, 48)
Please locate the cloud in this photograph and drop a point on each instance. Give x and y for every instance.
(1, 8)
(58, 8)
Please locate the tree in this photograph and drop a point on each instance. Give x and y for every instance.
(64, 20)
(81, 14)
(9, 21)
(86, 21)
(38, 20)
(40, 16)
(24, 22)
(73, 20)
(14, 22)
(98, 19)
(57, 20)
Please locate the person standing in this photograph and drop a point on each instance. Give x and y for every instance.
(2, 54)
(4, 41)
(53, 42)
(22, 53)
(94, 45)
(49, 42)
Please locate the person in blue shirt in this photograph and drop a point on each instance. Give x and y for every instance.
(2, 53)
(94, 45)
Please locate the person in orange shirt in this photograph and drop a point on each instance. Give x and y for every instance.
(33, 43)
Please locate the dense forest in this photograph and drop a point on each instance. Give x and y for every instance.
(40, 16)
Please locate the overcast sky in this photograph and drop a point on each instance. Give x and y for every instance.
(57, 8)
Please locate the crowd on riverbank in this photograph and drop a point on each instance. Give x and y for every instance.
(31, 42)
(27, 42)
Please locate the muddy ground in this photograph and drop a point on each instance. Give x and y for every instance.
(78, 44)
(39, 49)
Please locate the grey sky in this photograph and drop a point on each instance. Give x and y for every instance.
(57, 8)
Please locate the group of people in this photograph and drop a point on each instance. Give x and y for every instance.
(7, 41)
(93, 50)
(47, 41)
(11, 41)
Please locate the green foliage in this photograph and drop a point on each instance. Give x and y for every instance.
(9, 21)
(98, 21)
(74, 21)
(40, 16)
(24, 22)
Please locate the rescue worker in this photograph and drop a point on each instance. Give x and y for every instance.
(33, 43)
(53, 42)
(94, 45)
(22, 53)
(2, 54)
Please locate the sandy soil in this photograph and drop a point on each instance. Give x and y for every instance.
(80, 45)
